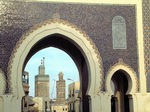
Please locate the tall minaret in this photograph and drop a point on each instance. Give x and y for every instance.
(60, 86)
(42, 82)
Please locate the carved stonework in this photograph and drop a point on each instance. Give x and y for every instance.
(59, 21)
(121, 63)
(56, 16)
(147, 105)
(120, 60)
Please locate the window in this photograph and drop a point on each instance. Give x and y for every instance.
(119, 32)
(73, 93)
(73, 105)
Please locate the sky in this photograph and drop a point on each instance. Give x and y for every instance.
(56, 61)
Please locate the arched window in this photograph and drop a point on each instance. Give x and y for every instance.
(119, 33)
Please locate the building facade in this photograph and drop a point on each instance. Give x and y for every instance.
(55, 107)
(25, 99)
(73, 94)
(105, 38)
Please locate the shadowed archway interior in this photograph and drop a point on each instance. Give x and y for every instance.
(120, 100)
(63, 43)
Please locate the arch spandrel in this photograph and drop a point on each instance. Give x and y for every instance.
(70, 31)
(129, 73)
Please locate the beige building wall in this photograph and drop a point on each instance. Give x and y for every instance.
(39, 103)
(73, 93)
(59, 108)
(2, 105)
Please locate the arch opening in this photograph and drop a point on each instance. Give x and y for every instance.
(60, 41)
(120, 97)
(82, 50)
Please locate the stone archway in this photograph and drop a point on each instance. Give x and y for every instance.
(132, 79)
(71, 33)
(128, 76)
(120, 98)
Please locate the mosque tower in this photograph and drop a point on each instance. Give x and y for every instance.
(60, 86)
(42, 82)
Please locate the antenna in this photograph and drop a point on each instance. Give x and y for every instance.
(53, 91)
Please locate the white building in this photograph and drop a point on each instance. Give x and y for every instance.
(73, 100)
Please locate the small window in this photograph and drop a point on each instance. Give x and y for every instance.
(119, 32)
(73, 93)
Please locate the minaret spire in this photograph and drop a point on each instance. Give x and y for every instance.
(43, 60)
(42, 67)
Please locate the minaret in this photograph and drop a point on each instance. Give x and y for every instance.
(42, 82)
(60, 86)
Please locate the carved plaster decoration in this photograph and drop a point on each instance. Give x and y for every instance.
(119, 33)
(121, 65)
(56, 16)
(56, 19)
(2, 82)
(147, 105)
(120, 60)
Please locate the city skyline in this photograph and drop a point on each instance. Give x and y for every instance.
(56, 61)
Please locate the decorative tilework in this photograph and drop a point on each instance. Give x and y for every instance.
(146, 29)
(16, 18)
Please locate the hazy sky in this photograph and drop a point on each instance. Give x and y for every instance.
(56, 61)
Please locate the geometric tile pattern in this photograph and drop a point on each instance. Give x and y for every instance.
(146, 32)
(146, 27)
(16, 18)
